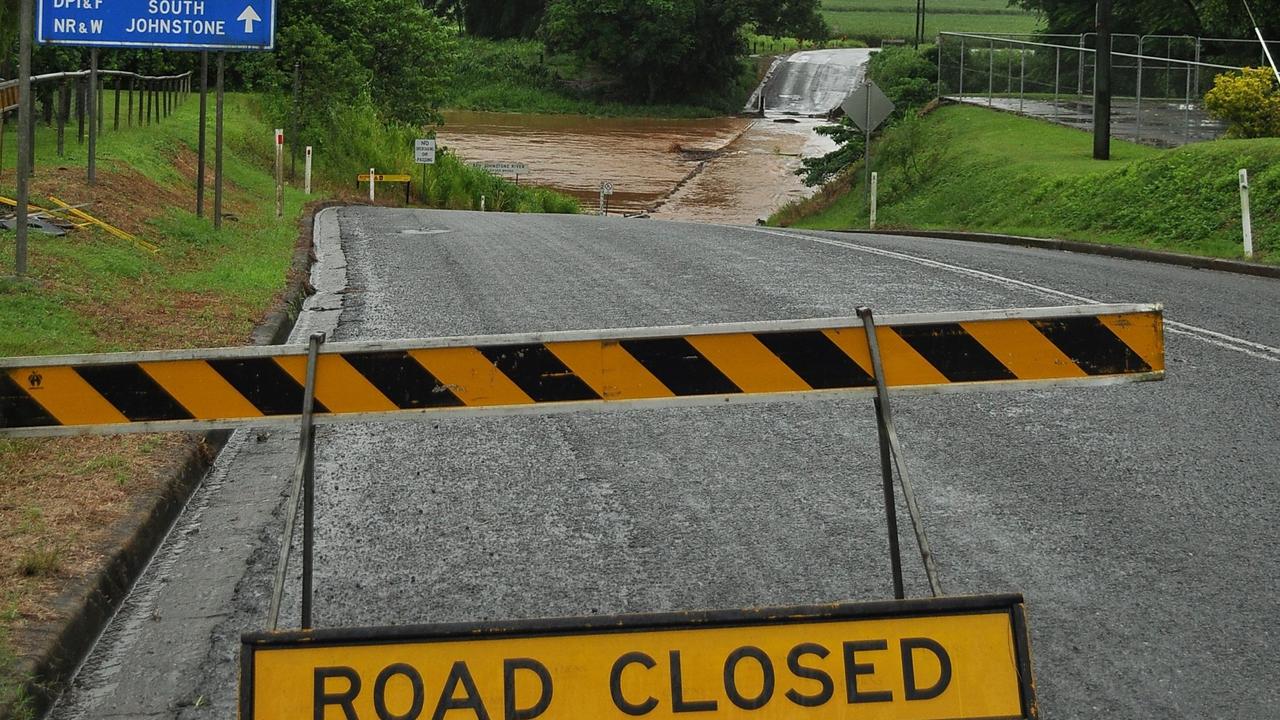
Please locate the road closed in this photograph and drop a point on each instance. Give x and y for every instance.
(919, 659)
